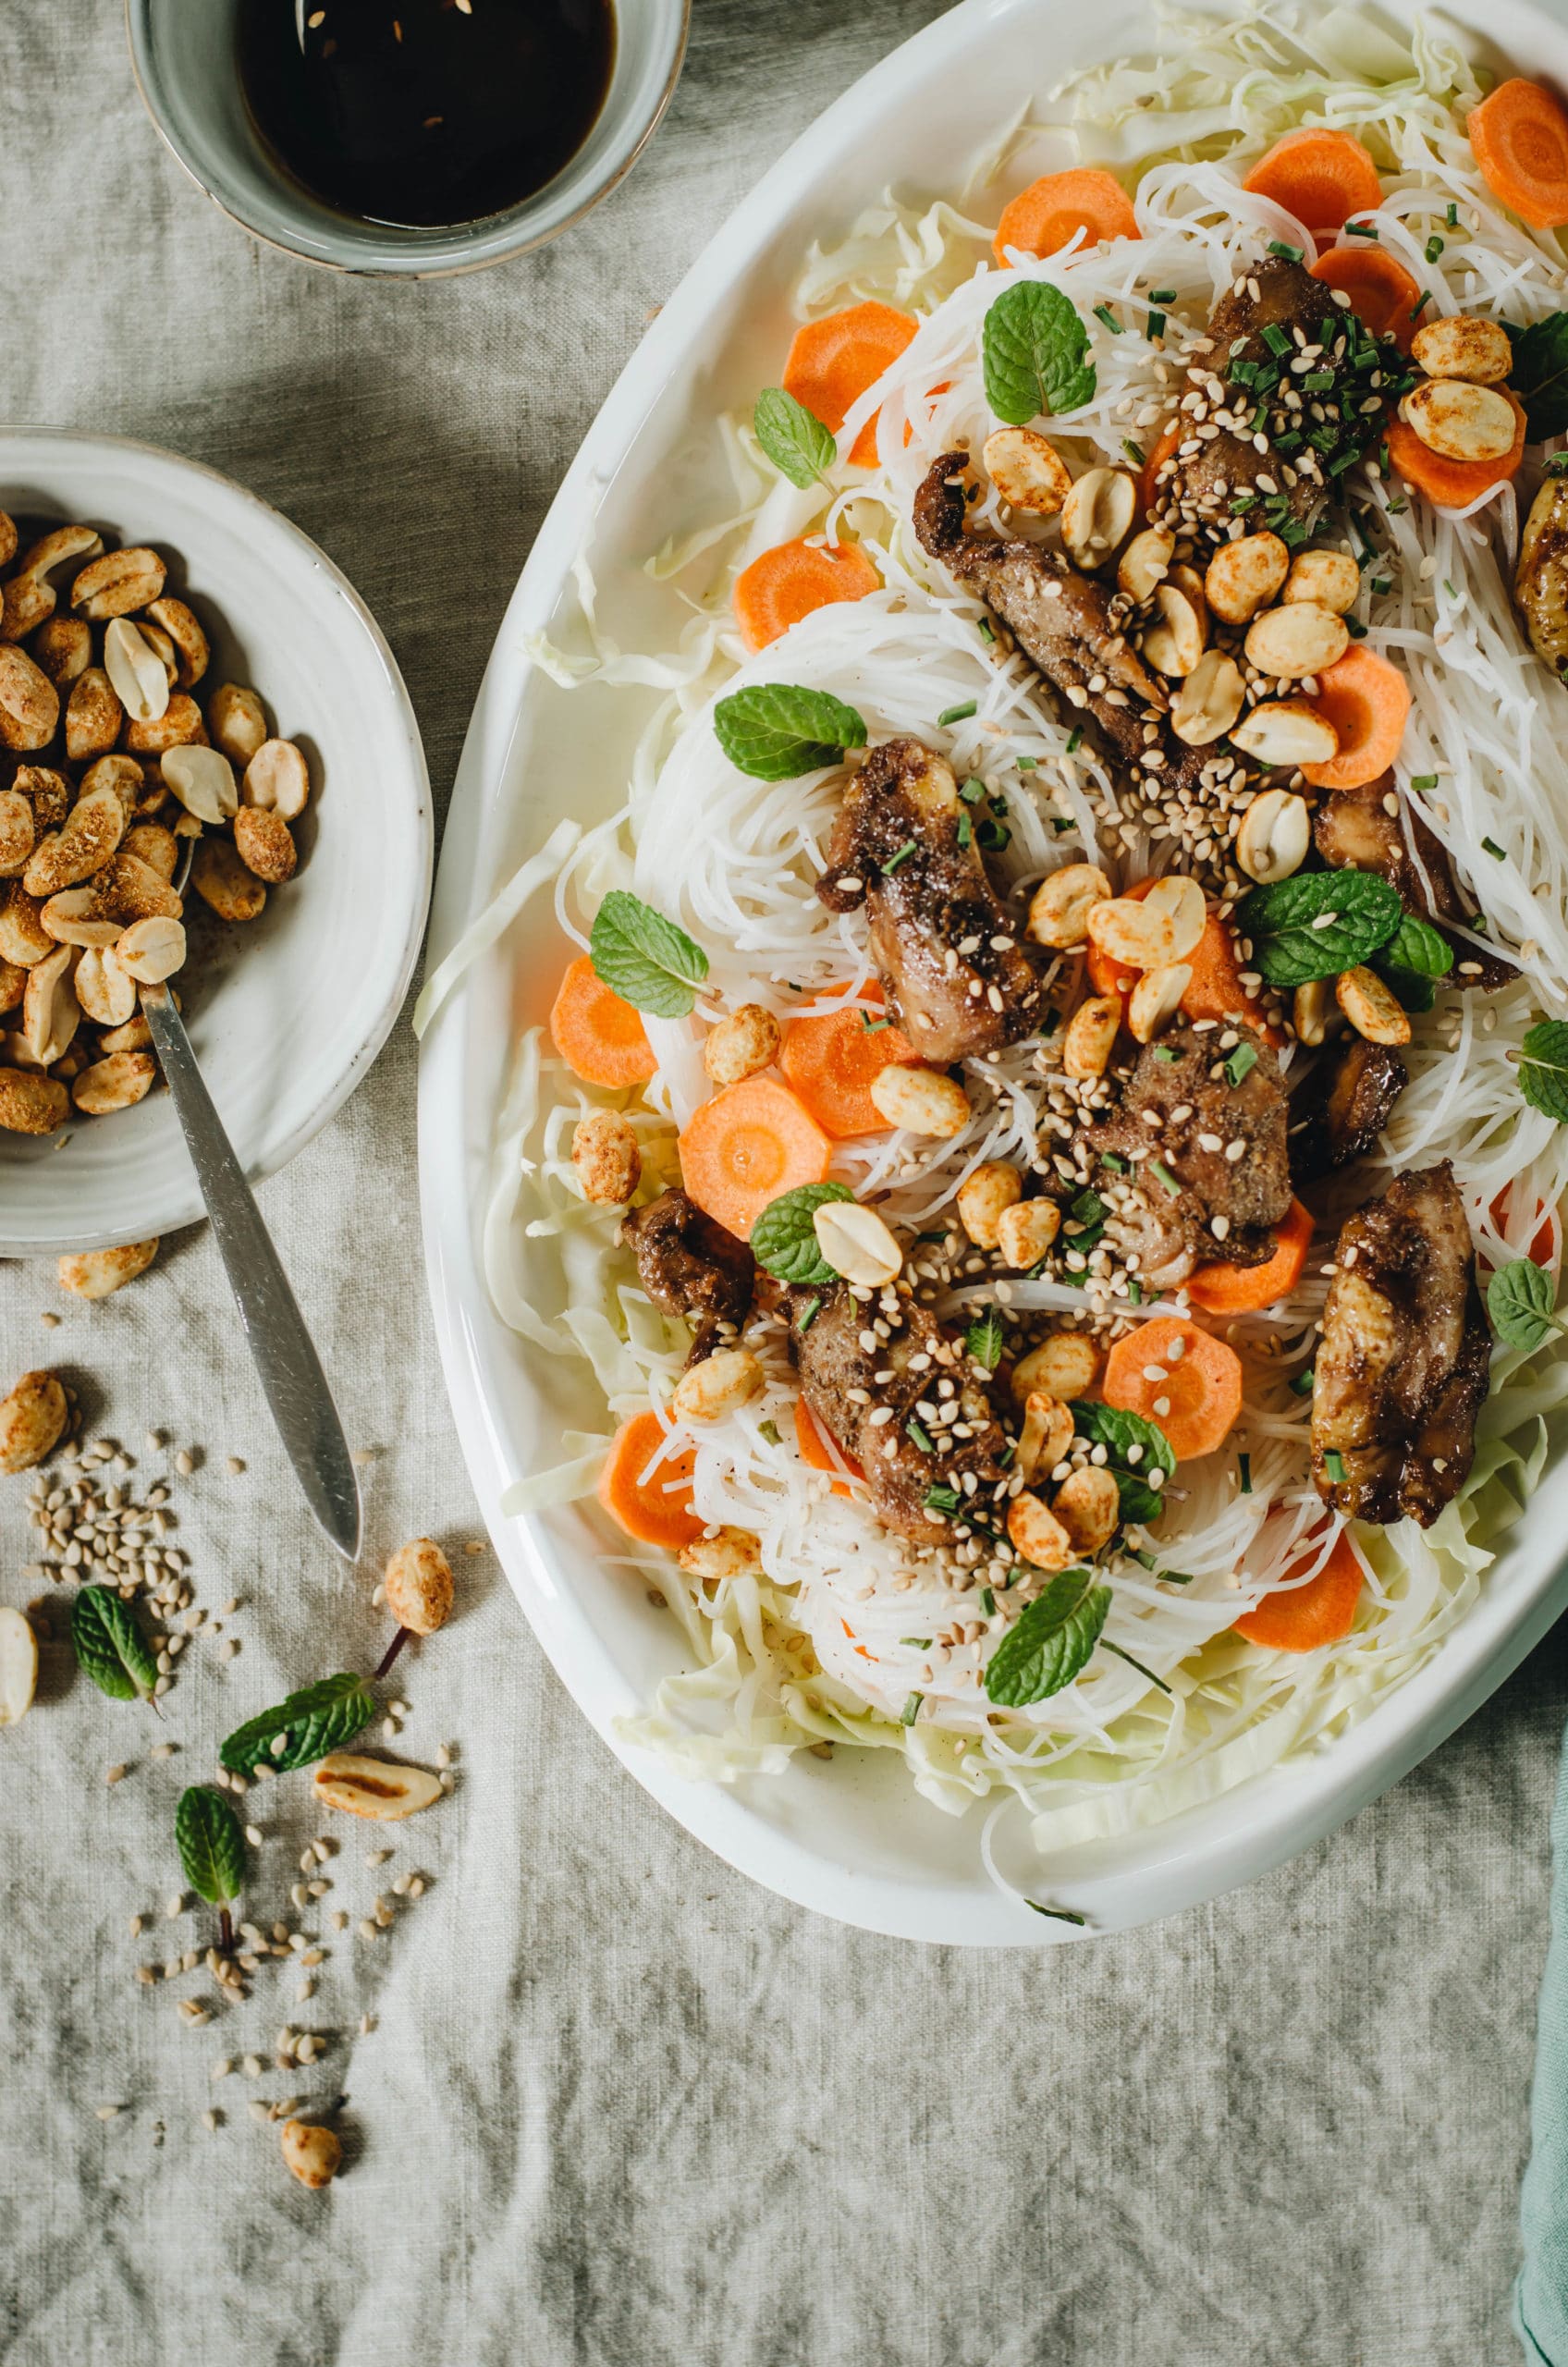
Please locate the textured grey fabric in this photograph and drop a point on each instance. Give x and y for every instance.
(619, 2106)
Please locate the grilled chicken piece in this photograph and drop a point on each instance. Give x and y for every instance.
(1401, 1367)
(1540, 586)
(1223, 1206)
(1343, 1107)
(1063, 621)
(838, 1381)
(953, 973)
(691, 1266)
(1353, 829)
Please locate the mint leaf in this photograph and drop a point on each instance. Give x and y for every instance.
(212, 1846)
(1031, 349)
(983, 1338)
(1543, 1069)
(794, 439)
(322, 1717)
(777, 731)
(783, 1238)
(1410, 989)
(1539, 375)
(1416, 945)
(1522, 1300)
(1050, 1641)
(110, 1647)
(643, 957)
(1117, 1431)
(1318, 923)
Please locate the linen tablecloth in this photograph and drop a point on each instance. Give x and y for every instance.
(617, 2105)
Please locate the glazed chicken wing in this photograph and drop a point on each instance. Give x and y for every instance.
(1343, 1106)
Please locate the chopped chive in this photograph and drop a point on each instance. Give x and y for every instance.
(1453, 218)
(986, 630)
(1103, 313)
(900, 855)
(1380, 584)
(1175, 1578)
(1240, 1062)
(940, 1233)
(966, 830)
(1420, 305)
(973, 789)
(1397, 509)
(1114, 1160)
(1361, 230)
(1156, 326)
(1057, 1914)
(1434, 248)
(1302, 1385)
(1075, 740)
(1137, 1664)
(911, 1709)
(1026, 764)
(960, 714)
(1060, 822)
(1334, 1464)
(873, 1026)
(1286, 252)
(1356, 629)
(1493, 849)
(1135, 1291)
(1244, 1469)
(770, 1430)
(1162, 295)
(991, 835)
(1050, 1023)
(920, 1438)
(988, 1602)
(1274, 337)
(1423, 781)
(809, 1313)
(1165, 1053)
(1317, 382)
(1449, 589)
(1158, 1167)
(1134, 450)
(916, 1643)
(1239, 501)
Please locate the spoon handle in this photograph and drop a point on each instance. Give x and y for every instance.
(289, 1370)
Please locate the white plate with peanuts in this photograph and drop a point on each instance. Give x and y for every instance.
(184, 677)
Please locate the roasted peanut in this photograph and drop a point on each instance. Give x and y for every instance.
(1037, 1533)
(1244, 576)
(62, 543)
(179, 726)
(1027, 471)
(1371, 1008)
(222, 881)
(1209, 700)
(1026, 1231)
(1175, 642)
(718, 1387)
(1458, 421)
(1274, 837)
(62, 648)
(740, 1045)
(151, 950)
(117, 1083)
(923, 1101)
(1463, 347)
(1060, 906)
(1088, 1505)
(264, 844)
(18, 1666)
(17, 833)
(94, 717)
(32, 1420)
(51, 1013)
(1309, 1010)
(135, 1036)
(1098, 515)
(122, 774)
(418, 1582)
(1157, 998)
(277, 777)
(184, 630)
(29, 704)
(984, 1197)
(1292, 641)
(13, 984)
(30, 1104)
(202, 779)
(1146, 562)
(1329, 580)
(1045, 1436)
(81, 848)
(138, 673)
(606, 1155)
(27, 603)
(154, 846)
(730, 1554)
(237, 721)
(117, 583)
(94, 1274)
(1090, 1036)
(856, 1243)
(310, 2154)
(104, 987)
(7, 538)
(23, 938)
(382, 1789)
(96, 913)
(1064, 1366)
(1287, 731)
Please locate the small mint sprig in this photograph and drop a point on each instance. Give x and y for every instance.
(1522, 1303)
(793, 437)
(319, 1718)
(110, 1647)
(1050, 1641)
(211, 1851)
(1032, 350)
(778, 731)
(645, 959)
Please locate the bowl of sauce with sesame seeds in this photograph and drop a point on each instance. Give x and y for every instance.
(405, 137)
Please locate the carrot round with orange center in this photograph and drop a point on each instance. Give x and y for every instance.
(1366, 700)
(745, 1147)
(787, 582)
(1520, 136)
(1301, 1619)
(1199, 1385)
(812, 1440)
(1043, 218)
(1454, 484)
(1214, 990)
(832, 362)
(832, 1061)
(1382, 294)
(654, 1507)
(601, 1038)
(1320, 176)
(1223, 1289)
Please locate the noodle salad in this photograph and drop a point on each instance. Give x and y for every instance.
(1052, 1137)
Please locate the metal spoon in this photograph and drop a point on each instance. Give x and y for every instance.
(292, 1381)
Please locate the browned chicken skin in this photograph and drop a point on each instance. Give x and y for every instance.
(1343, 1106)
(1223, 1205)
(1401, 1367)
(953, 972)
(930, 1372)
(689, 1265)
(1062, 620)
(1354, 830)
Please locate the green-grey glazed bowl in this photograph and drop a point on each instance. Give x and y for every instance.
(183, 54)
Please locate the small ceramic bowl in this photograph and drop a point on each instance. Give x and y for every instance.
(183, 51)
(285, 1013)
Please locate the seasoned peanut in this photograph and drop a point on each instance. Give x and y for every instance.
(222, 881)
(62, 648)
(1090, 1036)
(179, 726)
(1157, 998)
(1064, 1366)
(1027, 471)
(62, 543)
(719, 1386)
(13, 984)
(1458, 421)
(28, 602)
(1287, 731)
(94, 717)
(1025, 1231)
(151, 950)
(265, 845)
(1371, 1008)
(119, 582)
(386, 1790)
(1329, 579)
(29, 704)
(1146, 562)
(202, 779)
(606, 1155)
(18, 1666)
(17, 833)
(138, 673)
(237, 721)
(1309, 1010)
(923, 1101)
(184, 630)
(740, 1045)
(418, 1583)
(730, 1554)
(1060, 906)
(1147, 932)
(94, 1274)
(32, 1420)
(1037, 1533)
(96, 914)
(104, 987)
(277, 777)
(156, 639)
(122, 774)
(135, 1036)
(1209, 700)
(1289, 643)
(856, 1243)
(1088, 1505)
(310, 2154)
(92, 831)
(1463, 347)
(1244, 576)
(7, 538)
(154, 846)
(1045, 1436)
(23, 938)
(30, 1104)
(1175, 642)
(1274, 837)
(117, 1083)
(984, 1197)
(51, 1013)
(1098, 515)
(48, 792)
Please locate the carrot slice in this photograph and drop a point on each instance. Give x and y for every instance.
(812, 1440)
(1452, 483)
(656, 1510)
(745, 1147)
(1320, 176)
(601, 1038)
(1520, 136)
(1366, 700)
(1303, 1618)
(1543, 1248)
(1042, 218)
(1382, 294)
(832, 362)
(1164, 445)
(832, 1061)
(787, 582)
(1201, 1387)
(1215, 989)
(1222, 1289)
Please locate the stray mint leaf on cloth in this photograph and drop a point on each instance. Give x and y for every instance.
(777, 731)
(320, 1718)
(1033, 348)
(212, 1845)
(794, 439)
(643, 957)
(784, 1240)
(1050, 1640)
(1318, 923)
(110, 1647)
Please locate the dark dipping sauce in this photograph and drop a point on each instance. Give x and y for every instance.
(424, 112)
